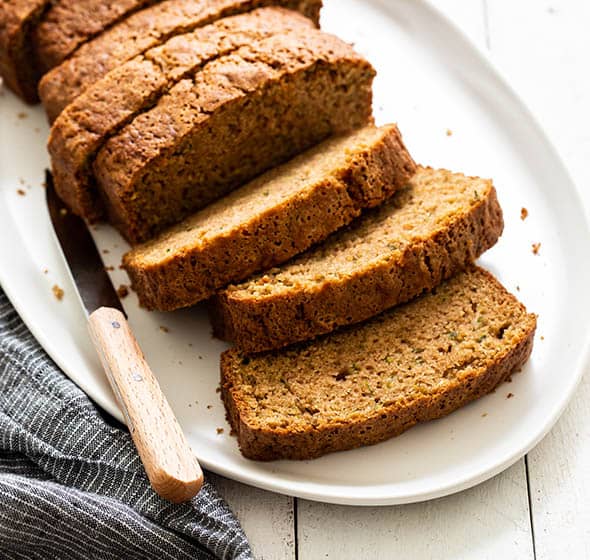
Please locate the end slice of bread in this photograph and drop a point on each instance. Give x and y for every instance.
(371, 382)
(273, 218)
(426, 233)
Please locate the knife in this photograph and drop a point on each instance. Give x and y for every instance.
(172, 469)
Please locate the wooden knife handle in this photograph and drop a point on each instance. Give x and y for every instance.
(171, 466)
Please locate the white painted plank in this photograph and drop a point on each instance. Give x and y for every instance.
(267, 518)
(544, 48)
(560, 485)
(487, 522)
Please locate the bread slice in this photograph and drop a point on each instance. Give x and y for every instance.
(136, 34)
(241, 115)
(442, 222)
(371, 382)
(18, 18)
(275, 217)
(70, 23)
(112, 102)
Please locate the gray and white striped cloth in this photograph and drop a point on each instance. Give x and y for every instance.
(72, 485)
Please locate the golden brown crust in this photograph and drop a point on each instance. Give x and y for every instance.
(70, 23)
(265, 442)
(111, 103)
(18, 18)
(257, 324)
(241, 115)
(138, 33)
(362, 176)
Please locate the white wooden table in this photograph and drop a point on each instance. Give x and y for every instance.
(539, 508)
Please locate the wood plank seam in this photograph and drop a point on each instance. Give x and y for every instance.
(530, 505)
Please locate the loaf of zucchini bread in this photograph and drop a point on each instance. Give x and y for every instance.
(268, 221)
(240, 115)
(427, 232)
(139, 32)
(135, 86)
(373, 381)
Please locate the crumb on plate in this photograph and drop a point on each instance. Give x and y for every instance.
(109, 268)
(20, 192)
(220, 431)
(524, 213)
(509, 395)
(122, 291)
(449, 132)
(536, 248)
(164, 329)
(57, 292)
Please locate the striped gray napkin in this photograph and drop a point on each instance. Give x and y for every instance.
(72, 485)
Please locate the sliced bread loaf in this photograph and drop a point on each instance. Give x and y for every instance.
(241, 115)
(112, 102)
(371, 382)
(18, 18)
(273, 218)
(70, 23)
(138, 33)
(427, 232)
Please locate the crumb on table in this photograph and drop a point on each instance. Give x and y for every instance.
(449, 132)
(509, 395)
(524, 213)
(536, 248)
(122, 291)
(484, 414)
(45, 271)
(109, 268)
(164, 329)
(209, 406)
(57, 292)
(220, 431)
(21, 192)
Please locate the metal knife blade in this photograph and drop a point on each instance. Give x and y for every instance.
(86, 267)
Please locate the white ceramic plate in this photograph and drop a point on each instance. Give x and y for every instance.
(431, 79)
